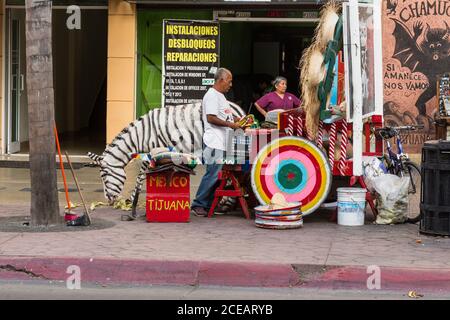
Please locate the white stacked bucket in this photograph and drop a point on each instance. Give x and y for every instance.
(351, 206)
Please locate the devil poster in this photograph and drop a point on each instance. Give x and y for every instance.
(416, 50)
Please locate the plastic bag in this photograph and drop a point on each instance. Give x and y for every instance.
(392, 198)
(373, 168)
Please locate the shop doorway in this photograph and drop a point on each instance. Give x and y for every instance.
(255, 48)
(79, 80)
(257, 52)
(15, 67)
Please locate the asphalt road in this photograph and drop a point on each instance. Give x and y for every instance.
(31, 290)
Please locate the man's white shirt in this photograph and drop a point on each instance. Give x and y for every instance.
(215, 103)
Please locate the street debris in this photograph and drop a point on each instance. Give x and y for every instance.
(414, 294)
(73, 205)
(123, 205)
(118, 204)
(96, 204)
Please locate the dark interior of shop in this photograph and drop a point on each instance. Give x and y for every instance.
(79, 83)
(258, 52)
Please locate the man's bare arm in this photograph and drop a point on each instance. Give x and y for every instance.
(213, 119)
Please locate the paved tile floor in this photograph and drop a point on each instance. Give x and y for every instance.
(221, 238)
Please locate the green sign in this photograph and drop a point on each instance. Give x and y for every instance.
(207, 82)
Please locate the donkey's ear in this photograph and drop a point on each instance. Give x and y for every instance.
(96, 158)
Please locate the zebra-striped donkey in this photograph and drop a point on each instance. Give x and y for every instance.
(180, 127)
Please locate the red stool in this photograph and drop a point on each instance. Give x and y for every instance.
(228, 173)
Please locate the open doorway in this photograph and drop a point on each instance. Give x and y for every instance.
(79, 80)
(257, 52)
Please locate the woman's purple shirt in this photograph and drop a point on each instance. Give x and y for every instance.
(272, 101)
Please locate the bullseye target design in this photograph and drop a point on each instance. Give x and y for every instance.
(294, 167)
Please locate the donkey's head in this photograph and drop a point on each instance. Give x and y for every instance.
(112, 174)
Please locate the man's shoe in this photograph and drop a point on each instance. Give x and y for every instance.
(219, 212)
(222, 209)
(199, 212)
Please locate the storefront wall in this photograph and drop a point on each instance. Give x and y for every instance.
(79, 57)
(238, 46)
(405, 90)
(121, 66)
(416, 49)
(149, 32)
(134, 83)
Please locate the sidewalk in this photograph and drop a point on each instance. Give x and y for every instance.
(229, 250)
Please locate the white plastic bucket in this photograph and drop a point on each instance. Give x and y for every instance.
(351, 205)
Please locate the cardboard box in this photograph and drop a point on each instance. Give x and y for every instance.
(168, 197)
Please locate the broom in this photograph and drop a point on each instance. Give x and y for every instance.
(68, 215)
(85, 219)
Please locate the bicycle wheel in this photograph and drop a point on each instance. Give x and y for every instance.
(412, 171)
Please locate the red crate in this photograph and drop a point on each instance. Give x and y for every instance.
(168, 197)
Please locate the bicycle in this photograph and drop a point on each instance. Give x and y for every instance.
(400, 165)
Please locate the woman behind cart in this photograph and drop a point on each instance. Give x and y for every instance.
(278, 99)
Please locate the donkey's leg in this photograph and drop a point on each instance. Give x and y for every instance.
(137, 189)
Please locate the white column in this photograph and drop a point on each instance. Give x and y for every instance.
(355, 44)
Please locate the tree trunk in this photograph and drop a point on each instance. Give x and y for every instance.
(41, 114)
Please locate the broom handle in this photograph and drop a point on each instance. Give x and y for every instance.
(61, 164)
(76, 182)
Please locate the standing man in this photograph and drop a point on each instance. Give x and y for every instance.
(217, 117)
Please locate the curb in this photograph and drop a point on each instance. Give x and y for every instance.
(204, 273)
(391, 279)
(149, 272)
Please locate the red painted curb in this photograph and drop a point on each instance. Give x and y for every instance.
(396, 279)
(155, 272)
(106, 271)
(247, 274)
(112, 271)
